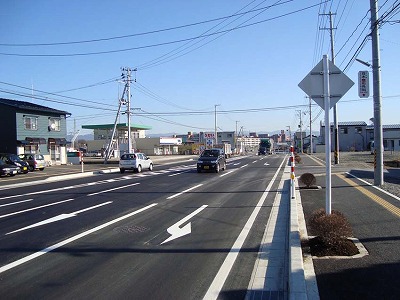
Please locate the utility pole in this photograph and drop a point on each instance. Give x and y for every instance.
(236, 141)
(290, 136)
(215, 123)
(311, 138)
(301, 131)
(335, 117)
(376, 78)
(127, 81)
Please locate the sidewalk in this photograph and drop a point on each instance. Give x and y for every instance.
(374, 216)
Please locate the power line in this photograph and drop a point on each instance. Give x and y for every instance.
(160, 44)
(134, 34)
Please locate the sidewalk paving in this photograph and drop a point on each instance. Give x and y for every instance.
(375, 219)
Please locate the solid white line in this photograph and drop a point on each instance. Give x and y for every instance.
(244, 166)
(117, 188)
(18, 202)
(378, 188)
(71, 239)
(222, 275)
(34, 208)
(185, 191)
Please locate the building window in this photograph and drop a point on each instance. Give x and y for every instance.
(30, 122)
(358, 130)
(344, 130)
(54, 124)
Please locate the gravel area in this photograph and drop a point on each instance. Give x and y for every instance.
(362, 166)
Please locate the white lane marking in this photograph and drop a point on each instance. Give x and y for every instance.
(254, 162)
(117, 188)
(235, 164)
(219, 280)
(244, 166)
(14, 203)
(176, 231)
(375, 187)
(179, 173)
(266, 164)
(34, 208)
(59, 217)
(185, 191)
(71, 239)
(226, 173)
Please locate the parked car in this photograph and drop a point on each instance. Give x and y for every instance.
(35, 161)
(211, 160)
(13, 159)
(135, 161)
(6, 169)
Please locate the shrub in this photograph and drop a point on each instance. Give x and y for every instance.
(308, 179)
(330, 228)
(297, 158)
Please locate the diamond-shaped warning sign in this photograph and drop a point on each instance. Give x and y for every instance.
(313, 84)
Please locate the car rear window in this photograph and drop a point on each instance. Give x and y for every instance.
(39, 156)
(128, 156)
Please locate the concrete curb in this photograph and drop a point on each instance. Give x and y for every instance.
(308, 265)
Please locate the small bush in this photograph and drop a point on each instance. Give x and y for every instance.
(331, 228)
(297, 158)
(308, 179)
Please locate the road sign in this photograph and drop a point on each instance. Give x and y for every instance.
(363, 84)
(209, 142)
(313, 84)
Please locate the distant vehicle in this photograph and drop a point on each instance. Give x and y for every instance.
(135, 161)
(226, 148)
(211, 160)
(35, 161)
(6, 169)
(13, 159)
(93, 154)
(265, 146)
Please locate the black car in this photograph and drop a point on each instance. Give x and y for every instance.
(13, 159)
(6, 169)
(211, 160)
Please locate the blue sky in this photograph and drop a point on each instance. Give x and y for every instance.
(68, 55)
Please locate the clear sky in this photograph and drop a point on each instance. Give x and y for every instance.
(243, 59)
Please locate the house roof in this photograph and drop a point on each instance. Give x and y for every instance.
(350, 123)
(391, 126)
(23, 105)
(119, 126)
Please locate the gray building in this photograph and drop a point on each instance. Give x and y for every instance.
(357, 136)
(33, 128)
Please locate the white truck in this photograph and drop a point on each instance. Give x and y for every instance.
(226, 147)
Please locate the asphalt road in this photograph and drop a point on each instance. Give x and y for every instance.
(153, 235)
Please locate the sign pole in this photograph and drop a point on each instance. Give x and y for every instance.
(327, 135)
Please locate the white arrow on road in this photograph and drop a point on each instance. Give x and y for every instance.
(59, 217)
(176, 231)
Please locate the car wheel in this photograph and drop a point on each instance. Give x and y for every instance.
(11, 175)
(217, 168)
(151, 167)
(139, 169)
(122, 171)
(198, 170)
(224, 168)
(31, 168)
(41, 169)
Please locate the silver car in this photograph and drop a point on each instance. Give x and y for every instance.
(35, 161)
(135, 161)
